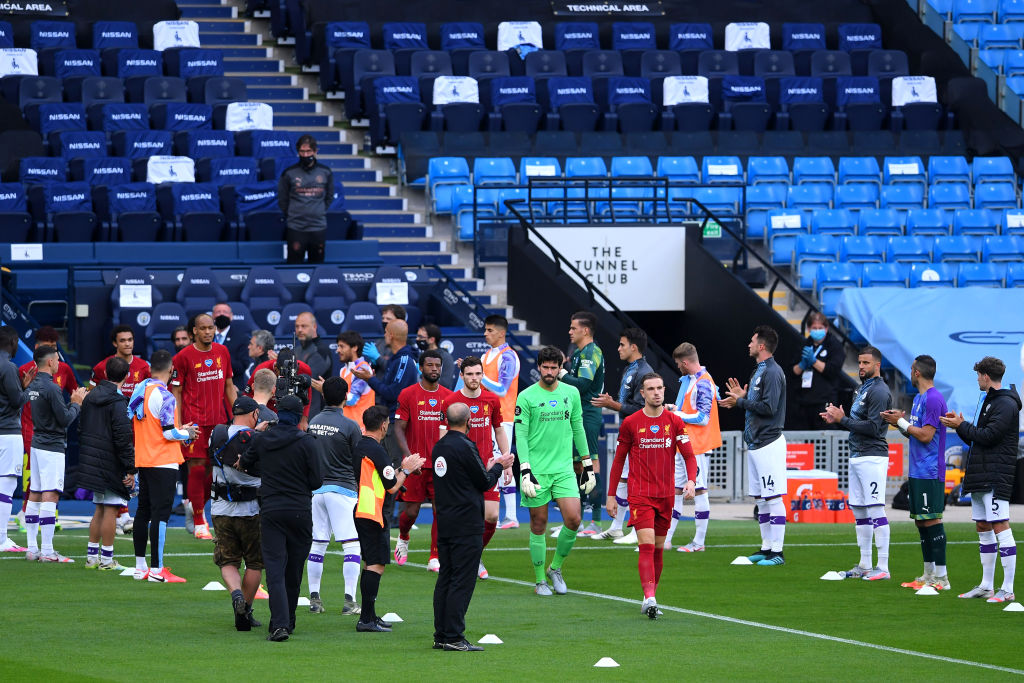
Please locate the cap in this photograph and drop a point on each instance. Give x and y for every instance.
(245, 405)
(289, 404)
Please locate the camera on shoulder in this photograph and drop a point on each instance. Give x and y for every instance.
(289, 381)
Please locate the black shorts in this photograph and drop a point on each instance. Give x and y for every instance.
(927, 498)
(374, 542)
(238, 538)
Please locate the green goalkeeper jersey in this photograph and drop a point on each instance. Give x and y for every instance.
(547, 423)
(586, 373)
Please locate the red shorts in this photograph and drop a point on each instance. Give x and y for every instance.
(198, 449)
(646, 512)
(492, 495)
(419, 487)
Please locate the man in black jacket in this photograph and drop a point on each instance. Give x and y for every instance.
(989, 478)
(106, 461)
(819, 370)
(314, 351)
(304, 193)
(288, 463)
(459, 484)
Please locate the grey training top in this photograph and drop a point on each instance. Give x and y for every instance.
(304, 196)
(12, 396)
(336, 437)
(867, 429)
(765, 404)
(50, 415)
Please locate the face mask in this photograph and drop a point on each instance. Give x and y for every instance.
(818, 335)
(222, 321)
(307, 162)
(422, 344)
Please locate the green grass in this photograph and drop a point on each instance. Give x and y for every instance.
(69, 623)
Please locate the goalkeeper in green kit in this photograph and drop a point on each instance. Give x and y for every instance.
(548, 421)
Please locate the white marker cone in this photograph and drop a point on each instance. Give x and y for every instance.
(1014, 607)
(741, 559)
(127, 572)
(214, 586)
(490, 639)
(302, 602)
(832, 576)
(555, 530)
(926, 590)
(606, 663)
(393, 618)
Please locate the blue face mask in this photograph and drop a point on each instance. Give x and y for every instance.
(818, 335)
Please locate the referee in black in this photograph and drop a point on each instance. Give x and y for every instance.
(288, 462)
(459, 483)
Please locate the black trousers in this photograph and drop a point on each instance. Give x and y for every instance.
(460, 558)
(156, 497)
(301, 242)
(286, 537)
(807, 415)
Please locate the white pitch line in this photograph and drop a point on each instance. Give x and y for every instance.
(772, 627)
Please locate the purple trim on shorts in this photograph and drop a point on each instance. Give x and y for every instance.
(31, 519)
(353, 558)
(347, 540)
(703, 514)
(623, 502)
(321, 540)
(880, 521)
(767, 498)
(778, 521)
(4, 498)
(316, 558)
(676, 514)
(1008, 551)
(763, 518)
(47, 520)
(987, 547)
(863, 522)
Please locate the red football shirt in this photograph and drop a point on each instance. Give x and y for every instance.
(65, 379)
(269, 365)
(485, 417)
(202, 376)
(651, 444)
(421, 409)
(138, 370)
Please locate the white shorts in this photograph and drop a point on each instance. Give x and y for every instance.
(985, 507)
(334, 512)
(625, 470)
(47, 471)
(108, 497)
(12, 455)
(867, 480)
(701, 482)
(766, 470)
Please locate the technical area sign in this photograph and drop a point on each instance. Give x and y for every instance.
(53, 8)
(640, 268)
(652, 8)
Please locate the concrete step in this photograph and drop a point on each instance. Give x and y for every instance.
(386, 217)
(261, 80)
(259, 91)
(392, 245)
(251, 66)
(207, 12)
(295, 107)
(228, 38)
(246, 52)
(407, 232)
(227, 26)
(303, 121)
(417, 259)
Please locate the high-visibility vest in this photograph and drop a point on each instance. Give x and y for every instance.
(151, 448)
(492, 366)
(371, 493)
(703, 438)
(355, 412)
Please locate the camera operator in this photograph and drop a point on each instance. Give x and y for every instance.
(287, 461)
(293, 378)
(236, 510)
(264, 384)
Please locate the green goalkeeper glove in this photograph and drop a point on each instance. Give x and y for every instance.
(586, 478)
(528, 483)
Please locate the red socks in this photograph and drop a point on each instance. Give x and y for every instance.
(405, 523)
(199, 480)
(658, 554)
(433, 539)
(489, 528)
(646, 563)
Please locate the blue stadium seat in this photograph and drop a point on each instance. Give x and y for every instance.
(265, 295)
(585, 167)
(718, 63)
(887, 64)
(908, 249)
(631, 167)
(903, 196)
(199, 290)
(403, 39)
(163, 319)
(485, 64)
(768, 170)
(883, 222)
(950, 196)
(859, 170)
(202, 144)
(1015, 274)
(180, 116)
(814, 170)
(363, 317)
(632, 39)
(133, 214)
(760, 199)
(830, 281)
(859, 104)
(1002, 248)
(977, 222)
(1013, 62)
(803, 40)
(802, 104)
(394, 106)
(259, 216)
(367, 65)
(995, 196)
(781, 230)
(904, 169)
(856, 37)
(573, 39)
(164, 89)
(69, 212)
(114, 117)
(884, 275)
(659, 64)
(810, 197)
(948, 169)
(724, 201)
(601, 64)
(974, 10)
(392, 274)
(630, 108)
(933, 222)
(838, 222)
(190, 207)
(341, 40)
(744, 102)
(460, 39)
(571, 104)
(932, 275)
(494, 171)
(141, 144)
(52, 118)
(998, 170)
(14, 215)
(862, 249)
(808, 252)
(261, 144)
(856, 197)
(222, 90)
(42, 170)
(442, 174)
(102, 170)
(955, 248)
(513, 104)
(547, 167)
(114, 35)
(543, 64)
(981, 275)
(998, 36)
(330, 296)
(722, 170)
(689, 40)
(830, 64)
(679, 170)
(35, 90)
(286, 326)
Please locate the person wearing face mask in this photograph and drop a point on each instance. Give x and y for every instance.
(428, 337)
(304, 193)
(819, 370)
(236, 341)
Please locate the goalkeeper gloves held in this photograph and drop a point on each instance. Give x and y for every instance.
(586, 478)
(528, 483)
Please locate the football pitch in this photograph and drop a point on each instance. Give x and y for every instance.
(721, 622)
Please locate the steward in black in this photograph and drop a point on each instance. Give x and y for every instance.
(107, 442)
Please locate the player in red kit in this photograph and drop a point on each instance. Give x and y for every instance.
(650, 438)
(417, 429)
(485, 418)
(204, 393)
